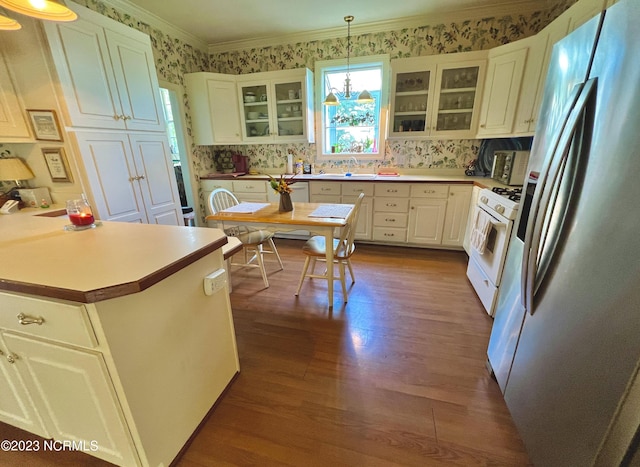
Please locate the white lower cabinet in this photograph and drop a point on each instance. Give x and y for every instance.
(426, 221)
(131, 176)
(466, 242)
(73, 393)
(457, 214)
(106, 377)
(347, 193)
(16, 405)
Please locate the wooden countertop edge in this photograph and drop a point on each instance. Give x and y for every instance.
(119, 290)
(450, 180)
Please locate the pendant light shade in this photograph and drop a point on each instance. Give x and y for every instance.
(51, 10)
(331, 99)
(8, 24)
(365, 96)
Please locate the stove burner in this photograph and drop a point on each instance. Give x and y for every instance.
(515, 197)
(507, 191)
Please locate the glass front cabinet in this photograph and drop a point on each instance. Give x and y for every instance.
(277, 106)
(436, 96)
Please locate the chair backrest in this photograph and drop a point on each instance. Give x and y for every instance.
(221, 199)
(347, 236)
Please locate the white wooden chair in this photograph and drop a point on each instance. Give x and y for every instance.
(252, 239)
(343, 249)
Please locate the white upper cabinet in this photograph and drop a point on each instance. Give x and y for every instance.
(502, 88)
(277, 106)
(107, 73)
(583, 10)
(13, 126)
(213, 100)
(436, 96)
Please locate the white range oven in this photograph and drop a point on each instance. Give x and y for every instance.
(499, 207)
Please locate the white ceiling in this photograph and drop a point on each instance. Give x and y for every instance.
(217, 22)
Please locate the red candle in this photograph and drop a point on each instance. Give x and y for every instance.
(81, 218)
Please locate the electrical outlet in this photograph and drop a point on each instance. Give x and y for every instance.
(428, 160)
(215, 281)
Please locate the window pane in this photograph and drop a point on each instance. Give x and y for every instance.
(352, 127)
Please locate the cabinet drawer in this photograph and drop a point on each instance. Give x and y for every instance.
(210, 185)
(336, 199)
(249, 186)
(390, 219)
(389, 234)
(324, 188)
(487, 292)
(351, 188)
(61, 321)
(392, 189)
(391, 204)
(429, 190)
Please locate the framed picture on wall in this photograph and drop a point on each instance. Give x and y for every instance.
(45, 125)
(57, 164)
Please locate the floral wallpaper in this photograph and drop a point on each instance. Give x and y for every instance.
(174, 58)
(464, 36)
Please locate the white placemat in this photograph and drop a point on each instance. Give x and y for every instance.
(339, 211)
(246, 208)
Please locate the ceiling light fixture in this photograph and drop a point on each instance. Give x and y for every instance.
(365, 96)
(50, 10)
(8, 24)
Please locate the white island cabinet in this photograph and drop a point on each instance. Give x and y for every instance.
(118, 349)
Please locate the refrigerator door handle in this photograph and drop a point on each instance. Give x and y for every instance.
(540, 186)
(548, 198)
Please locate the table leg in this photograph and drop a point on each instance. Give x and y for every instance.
(328, 236)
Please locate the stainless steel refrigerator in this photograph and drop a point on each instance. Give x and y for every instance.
(565, 344)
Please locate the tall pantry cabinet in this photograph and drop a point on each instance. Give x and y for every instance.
(115, 118)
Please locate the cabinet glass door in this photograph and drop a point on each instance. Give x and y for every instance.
(411, 100)
(457, 95)
(255, 110)
(290, 108)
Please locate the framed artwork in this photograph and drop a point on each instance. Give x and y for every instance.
(57, 164)
(45, 125)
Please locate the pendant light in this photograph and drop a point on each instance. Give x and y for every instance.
(51, 10)
(365, 96)
(8, 24)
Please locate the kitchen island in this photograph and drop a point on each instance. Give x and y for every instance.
(107, 337)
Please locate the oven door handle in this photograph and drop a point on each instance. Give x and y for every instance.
(553, 200)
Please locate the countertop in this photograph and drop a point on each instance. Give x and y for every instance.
(453, 176)
(117, 258)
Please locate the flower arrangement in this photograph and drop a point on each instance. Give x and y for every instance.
(281, 185)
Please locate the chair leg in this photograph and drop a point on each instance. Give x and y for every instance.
(272, 245)
(353, 278)
(304, 273)
(260, 258)
(313, 264)
(342, 280)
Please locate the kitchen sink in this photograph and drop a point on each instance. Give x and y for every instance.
(345, 175)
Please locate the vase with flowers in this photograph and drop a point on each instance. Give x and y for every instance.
(283, 188)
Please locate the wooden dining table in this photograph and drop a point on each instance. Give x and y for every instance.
(303, 217)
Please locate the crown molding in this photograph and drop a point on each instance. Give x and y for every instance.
(157, 22)
(473, 13)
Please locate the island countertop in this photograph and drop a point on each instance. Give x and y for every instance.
(39, 257)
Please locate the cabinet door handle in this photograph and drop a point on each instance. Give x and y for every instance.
(11, 358)
(25, 320)
(140, 177)
(126, 117)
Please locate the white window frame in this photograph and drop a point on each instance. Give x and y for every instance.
(354, 64)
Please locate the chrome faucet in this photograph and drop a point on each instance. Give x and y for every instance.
(351, 163)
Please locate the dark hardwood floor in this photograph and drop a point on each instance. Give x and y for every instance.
(394, 377)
